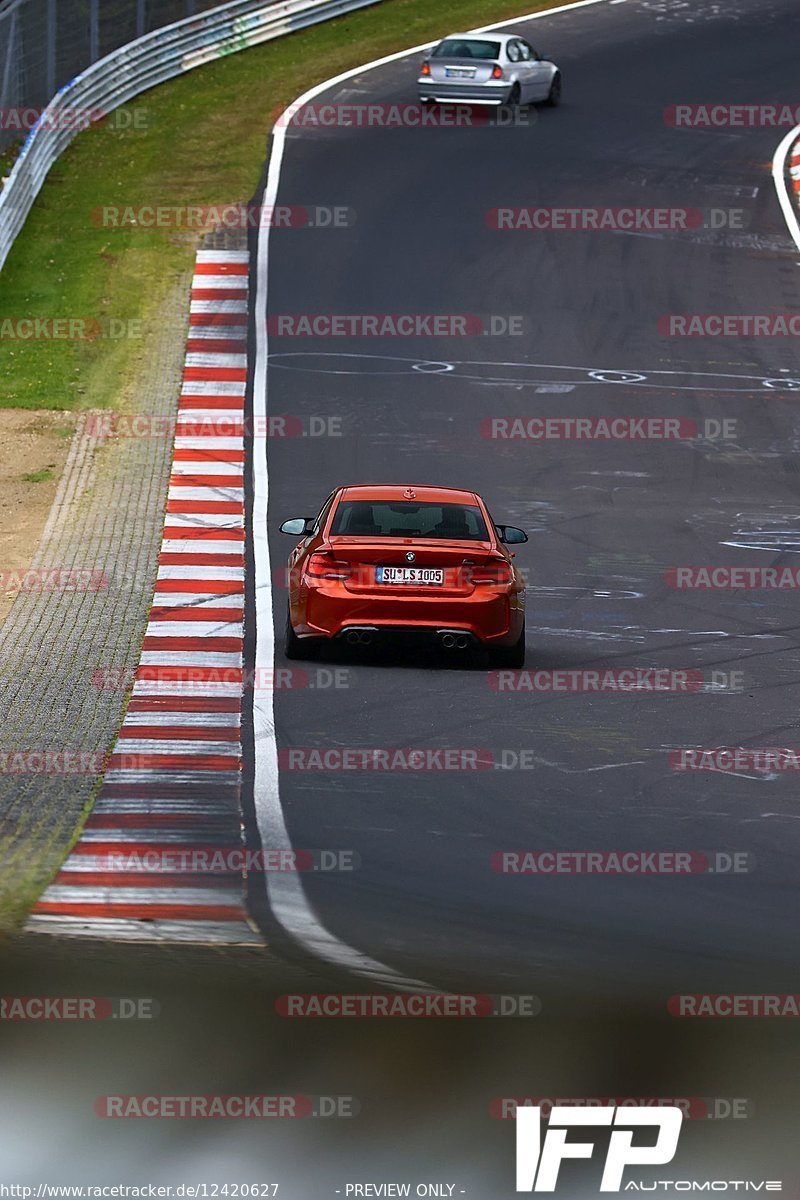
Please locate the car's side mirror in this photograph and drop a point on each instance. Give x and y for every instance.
(298, 526)
(511, 535)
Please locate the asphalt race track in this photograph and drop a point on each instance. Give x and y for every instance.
(606, 519)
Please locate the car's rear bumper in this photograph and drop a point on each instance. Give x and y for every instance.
(493, 618)
(445, 636)
(495, 93)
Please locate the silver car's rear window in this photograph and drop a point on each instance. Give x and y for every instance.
(400, 518)
(466, 48)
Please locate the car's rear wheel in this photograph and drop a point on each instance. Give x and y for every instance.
(295, 647)
(514, 97)
(510, 656)
(554, 95)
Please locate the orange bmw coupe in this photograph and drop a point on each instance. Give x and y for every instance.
(388, 563)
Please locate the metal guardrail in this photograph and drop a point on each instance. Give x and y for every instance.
(45, 43)
(139, 65)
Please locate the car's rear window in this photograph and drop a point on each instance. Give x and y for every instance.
(407, 518)
(466, 48)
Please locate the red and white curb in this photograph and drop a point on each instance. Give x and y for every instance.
(786, 177)
(794, 172)
(174, 776)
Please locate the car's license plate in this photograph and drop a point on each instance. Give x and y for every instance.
(418, 575)
(459, 72)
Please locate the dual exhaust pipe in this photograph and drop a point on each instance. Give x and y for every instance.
(447, 640)
(453, 641)
(358, 637)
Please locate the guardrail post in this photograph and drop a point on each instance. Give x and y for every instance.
(140, 18)
(11, 50)
(51, 47)
(94, 30)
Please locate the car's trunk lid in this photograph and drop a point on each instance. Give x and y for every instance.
(468, 69)
(453, 558)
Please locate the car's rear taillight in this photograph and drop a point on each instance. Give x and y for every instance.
(497, 573)
(425, 69)
(497, 72)
(323, 565)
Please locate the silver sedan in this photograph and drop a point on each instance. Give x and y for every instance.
(488, 68)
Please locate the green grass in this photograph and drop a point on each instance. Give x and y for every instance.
(204, 143)
(42, 476)
(9, 154)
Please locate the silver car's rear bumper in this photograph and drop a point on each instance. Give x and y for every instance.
(483, 93)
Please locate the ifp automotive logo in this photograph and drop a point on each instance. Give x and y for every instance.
(538, 1163)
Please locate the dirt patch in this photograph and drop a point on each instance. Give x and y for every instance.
(34, 446)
